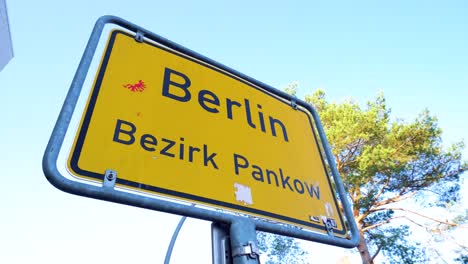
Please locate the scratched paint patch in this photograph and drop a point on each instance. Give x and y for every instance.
(243, 194)
(137, 87)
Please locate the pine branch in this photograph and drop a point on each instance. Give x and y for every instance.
(446, 222)
(351, 150)
(439, 255)
(395, 199)
(415, 223)
(381, 191)
(451, 238)
(376, 253)
(367, 228)
(362, 216)
(377, 196)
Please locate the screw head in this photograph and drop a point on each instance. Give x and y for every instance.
(110, 176)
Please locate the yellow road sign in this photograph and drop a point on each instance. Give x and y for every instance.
(174, 126)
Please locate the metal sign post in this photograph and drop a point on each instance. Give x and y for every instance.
(244, 249)
(220, 244)
(164, 121)
(235, 244)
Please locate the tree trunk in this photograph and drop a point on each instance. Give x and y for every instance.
(364, 250)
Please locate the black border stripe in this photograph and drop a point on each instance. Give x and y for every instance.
(89, 112)
(99, 176)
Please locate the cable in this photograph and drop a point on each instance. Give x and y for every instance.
(167, 259)
(173, 240)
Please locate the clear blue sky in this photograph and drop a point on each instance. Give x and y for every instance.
(414, 51)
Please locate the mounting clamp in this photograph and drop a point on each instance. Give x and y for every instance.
(293, 103)
(328, 225)
(110, 177)
(139, 36)
(251, 250)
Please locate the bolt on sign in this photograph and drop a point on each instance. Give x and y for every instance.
(174, 126)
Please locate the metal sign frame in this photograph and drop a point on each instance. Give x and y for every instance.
(108, 193)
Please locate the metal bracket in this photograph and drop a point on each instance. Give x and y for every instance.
(328, 225)
(251, 250)
(110, 177)
(294, 103)
(139, 36)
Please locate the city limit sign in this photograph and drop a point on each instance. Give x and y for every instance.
(175, 126)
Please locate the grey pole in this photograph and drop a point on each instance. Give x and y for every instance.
(243, 236)
(220, 244)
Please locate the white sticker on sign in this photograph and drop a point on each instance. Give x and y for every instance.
(243, 194)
